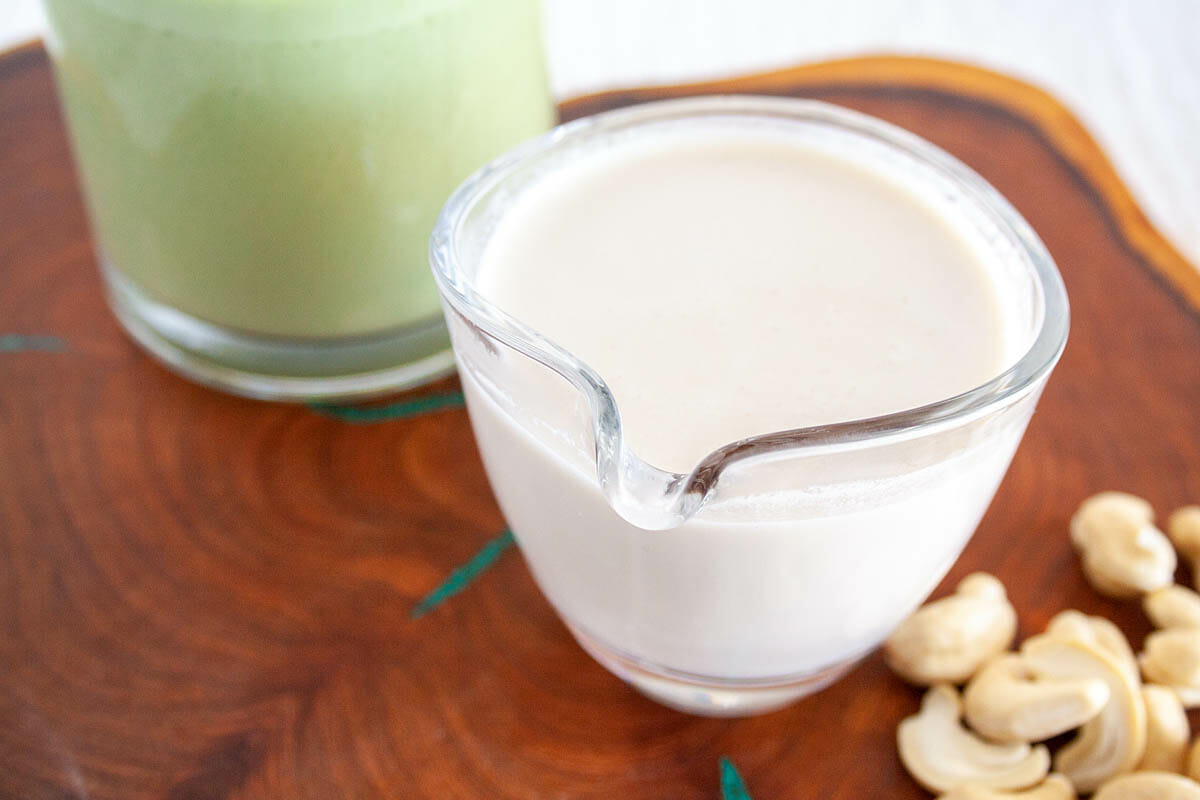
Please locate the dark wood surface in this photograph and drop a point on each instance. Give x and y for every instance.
(203, 597)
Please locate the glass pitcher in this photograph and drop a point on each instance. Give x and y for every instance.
(778, 561)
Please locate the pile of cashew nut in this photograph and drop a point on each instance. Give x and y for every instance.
(1128, 711)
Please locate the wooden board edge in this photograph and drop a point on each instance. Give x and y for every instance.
(11, 56)
(1035, 106)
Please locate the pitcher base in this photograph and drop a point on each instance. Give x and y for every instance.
(709, 697)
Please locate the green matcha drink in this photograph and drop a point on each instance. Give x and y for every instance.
(272, 168)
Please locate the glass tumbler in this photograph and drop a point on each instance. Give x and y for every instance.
(778, 561)
(262, 176)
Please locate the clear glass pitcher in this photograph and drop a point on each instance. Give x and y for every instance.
(778, 561)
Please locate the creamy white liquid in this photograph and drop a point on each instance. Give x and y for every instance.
(772, 286)
(726, 285)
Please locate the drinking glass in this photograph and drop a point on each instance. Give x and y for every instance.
(262, 176)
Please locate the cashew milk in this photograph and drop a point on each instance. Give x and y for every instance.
(771, 285)
(726, 284)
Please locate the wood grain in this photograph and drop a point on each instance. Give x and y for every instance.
(203, 597)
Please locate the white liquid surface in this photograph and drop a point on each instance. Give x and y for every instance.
(727, 284)
(772, 286)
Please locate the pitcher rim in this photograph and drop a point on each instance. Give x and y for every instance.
(622, 474)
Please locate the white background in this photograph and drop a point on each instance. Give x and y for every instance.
(1130, 69)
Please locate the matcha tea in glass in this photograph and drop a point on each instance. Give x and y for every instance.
(262, 176)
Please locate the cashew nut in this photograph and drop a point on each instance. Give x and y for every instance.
(1007, 702)
(1055, 787)
(1097, 632)
(940, 753)
(1124, 555)
(1112, 742)
(1173, 606)
(1172, 658)
(1149, 786)
(1184, 529)
(1167, 730)
(947, 640)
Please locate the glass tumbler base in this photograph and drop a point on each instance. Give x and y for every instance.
(708, 697)
(280, 368)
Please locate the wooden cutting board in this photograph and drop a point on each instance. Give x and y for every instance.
(203, 597)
